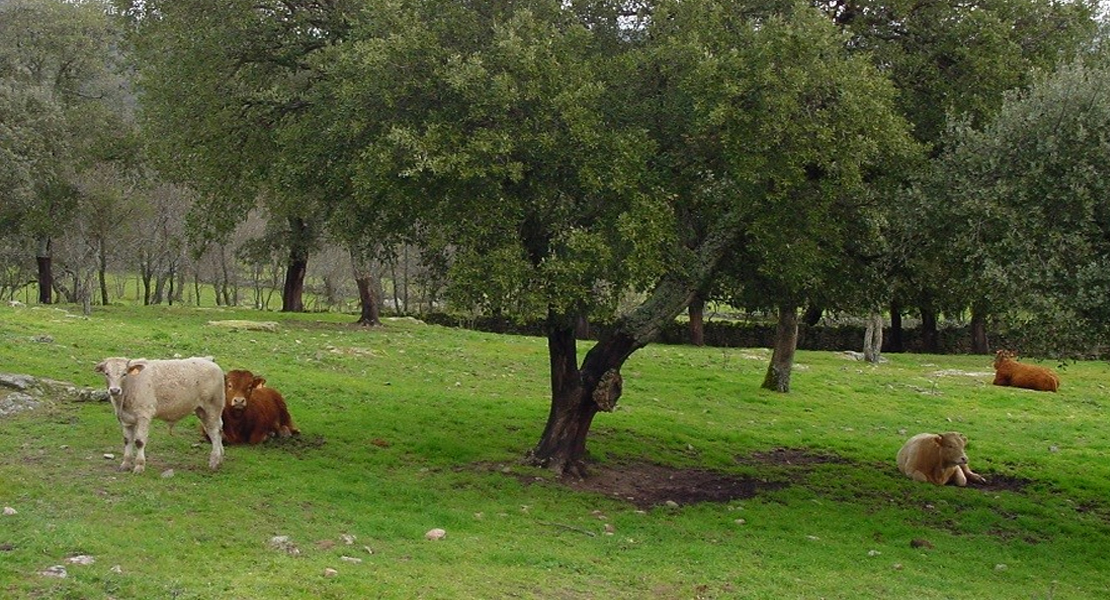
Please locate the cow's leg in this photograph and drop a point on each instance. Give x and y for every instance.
(919, 476)
(142, 430)
(259, 434)
(128, 446)
(970, 475)
(213, 426)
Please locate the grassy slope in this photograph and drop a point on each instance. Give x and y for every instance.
(411, 427)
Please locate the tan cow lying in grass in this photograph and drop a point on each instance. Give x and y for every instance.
(142, 390)
(937, 458)
(1010, 372)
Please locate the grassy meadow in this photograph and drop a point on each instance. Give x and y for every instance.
(413, 427)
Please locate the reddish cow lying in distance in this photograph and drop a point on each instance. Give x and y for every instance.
(253, 412)
(938, 458)
(1008, 371)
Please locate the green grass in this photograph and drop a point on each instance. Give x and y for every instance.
(412, 427)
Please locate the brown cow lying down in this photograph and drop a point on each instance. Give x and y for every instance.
(253, 412)
(1008, 371)
(937, 458)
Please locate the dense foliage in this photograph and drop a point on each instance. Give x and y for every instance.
(1030, 191)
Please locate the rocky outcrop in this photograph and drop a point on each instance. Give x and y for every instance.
(26, 392)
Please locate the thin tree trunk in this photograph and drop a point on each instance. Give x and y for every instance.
(179, 288)
(393, 274)
(405, 272)
(813, 315)
(170, 282)
(371, 312)
(44, 258)
(786, 343)
(160, 282)
(897, 341)
(979, 342)
(929, 338)
(146, 274)
(223, 293)
(368, 289)
(873, 338)
(102, 270)
(697, 320)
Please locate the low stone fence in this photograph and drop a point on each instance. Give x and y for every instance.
(740, 334)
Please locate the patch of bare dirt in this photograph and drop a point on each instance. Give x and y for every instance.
(790, 457)
(646, 485)
(997, 482)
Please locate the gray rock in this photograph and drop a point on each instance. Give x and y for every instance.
(16, 402)
(19, 382)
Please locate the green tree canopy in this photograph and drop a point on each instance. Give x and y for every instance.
(569, 160)
(952, 62)
(1031, 188)
(63, 110)
(227, 96)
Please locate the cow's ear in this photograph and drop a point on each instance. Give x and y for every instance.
(258, 382)
(964, 438)
(99, 368)
(135, 366)
(938, 439)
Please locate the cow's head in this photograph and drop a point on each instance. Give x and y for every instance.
(1002, 356)
(116, 370)
(240, 384)
(952, 446)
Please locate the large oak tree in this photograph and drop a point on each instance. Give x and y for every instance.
(571, 154)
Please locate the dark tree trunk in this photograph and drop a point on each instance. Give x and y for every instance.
(44, 258)
(979, 342)
(577, 394)
(897, 341)
(929, 340)
(371, 312)
(582, 327)
(292, 299)
(102, 271)
(697, 320)
(813, 315)
(786, 343)
(146, 275)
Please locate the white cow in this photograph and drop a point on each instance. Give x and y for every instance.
(142, 390)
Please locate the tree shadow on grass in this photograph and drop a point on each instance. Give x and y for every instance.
(646, 485)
